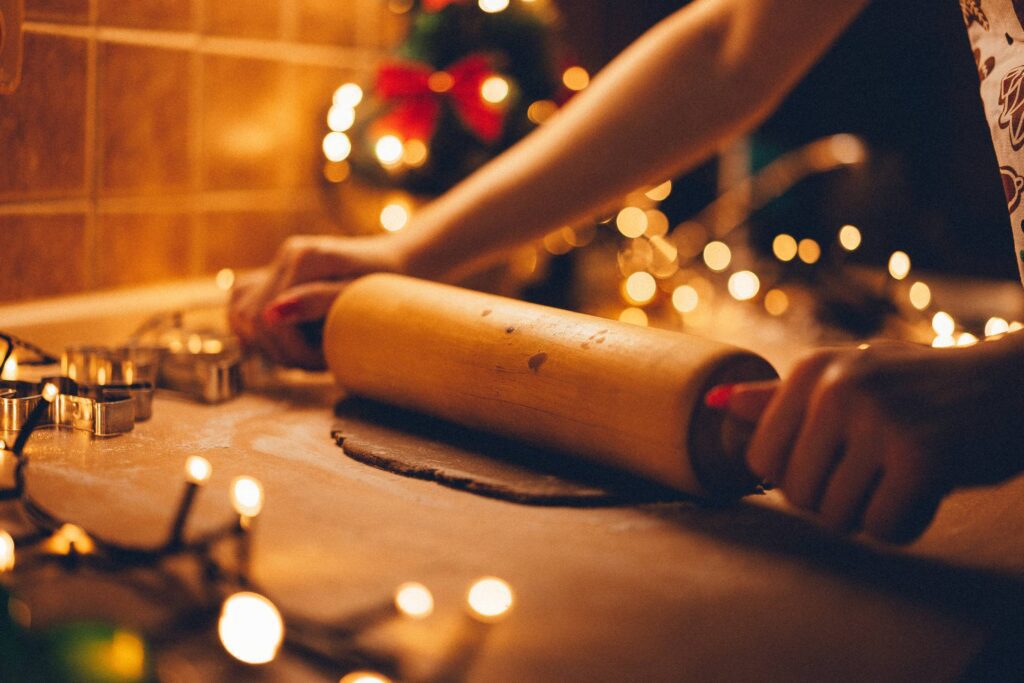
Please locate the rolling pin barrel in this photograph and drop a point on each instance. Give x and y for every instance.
(624, 395)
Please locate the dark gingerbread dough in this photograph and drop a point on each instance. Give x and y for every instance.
(422, 447)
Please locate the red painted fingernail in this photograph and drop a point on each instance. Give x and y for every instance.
(719, 397)
(278, 313)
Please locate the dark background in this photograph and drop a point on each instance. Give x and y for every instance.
(903, 79)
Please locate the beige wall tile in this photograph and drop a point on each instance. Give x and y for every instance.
(144, 98)
(72, 11)
(42, 126)
(327, 21)
(250, 240)
(245, 18)
(165, 15)
(134, 249)
(43, 256)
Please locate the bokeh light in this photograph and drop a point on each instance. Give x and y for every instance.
(198, 469)
(348, 95)
(899, 265)
(996, 326)
(414, 600)
(631, 221)
(490, 599)
(634, 316)
(640, 288)
(394, 217)
(389, 150)
(685, 299)
(943, 324)
(850, 237)
(809, 251)
(250, 628)
(776, 302)
(247, 496)
(784, 247)
(717, 256)
(920, 295)
(576, 78)
(744, 285)
(494, 89)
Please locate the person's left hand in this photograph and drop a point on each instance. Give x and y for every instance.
(873, 438)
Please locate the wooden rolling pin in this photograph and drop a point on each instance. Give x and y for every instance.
(628, 396)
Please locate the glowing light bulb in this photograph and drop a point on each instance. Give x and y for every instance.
(340, 118)
(51, 392)
(631, 221)
(250, 628)
(247, 496)
(494, 89)
(576, 78)
(717, 256)
(634, 316)
(943, 324)
(490, 599)
(661, 192)
(1016, 326)
(348, 95)
(6, 552)
(849, 237)
(640, 288)
(194, 344)
(966, 339)
(364, 677)
(996, 326)
(414, 600)
(416, 153)
(493, 6)
(899, 265)
(337, 147)
(541, 110)
(685, 299)
(744, 285)
(10, 369)
(920, 295)
(784, 247)
(657, 223)
(67, 536)
(126, 656)
(776, 302)
(809, 251)
(225, 279)
(389, 150)
(440, 81)
(198, 469)
(394, 217)
(3, 445)
(943, 341)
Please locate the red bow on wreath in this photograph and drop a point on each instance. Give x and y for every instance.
(416, 91)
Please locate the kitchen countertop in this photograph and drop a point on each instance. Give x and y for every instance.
(656, 592)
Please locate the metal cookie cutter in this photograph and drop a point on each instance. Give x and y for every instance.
(109, 374)
(109, 415)
(202, 366)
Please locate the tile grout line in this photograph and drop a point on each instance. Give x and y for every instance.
(197, 76)
(287, 201)
(92, 155)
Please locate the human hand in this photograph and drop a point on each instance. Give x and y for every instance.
(307, 274)
(872, 439)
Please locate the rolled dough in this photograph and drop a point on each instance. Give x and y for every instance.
(422, 447)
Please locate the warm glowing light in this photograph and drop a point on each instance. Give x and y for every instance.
(784, 247)
(69, 536)
(247, 496)
(394, 217)
(576, 78)
(717, 256)
(634, 316)
(541, 110)
(51, 392)
(943, 341)
(996, 326)
(490, 599)
(847, 149)
(225, 279)
(493, 6)
(685, 299)
(348, 95)
(212, 346)
(631, 221)
(943, 324)
(337, 146)
(364, 677)
(340, 118)
(657, 223)
(440, 81)
(809, 251)
(389, 150)
(414, 600)
(3, 447)
(126, 656)
(661, 192)
(416, 153)
(640, 288)
(849, 237)
(776, 302)
(250, 628)
(10, 369)
(920, 295)
(744, 285)
(194, 344)
(6, 552)
(494, 89)
(1016, 326)
(337, 172)
(966, 339)
(899, 265)
(198, 469)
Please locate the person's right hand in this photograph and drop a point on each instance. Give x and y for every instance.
(299, 286)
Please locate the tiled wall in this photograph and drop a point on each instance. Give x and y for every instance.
(157, 139)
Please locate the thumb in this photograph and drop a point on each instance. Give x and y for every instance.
(304, 303)
(745, 401)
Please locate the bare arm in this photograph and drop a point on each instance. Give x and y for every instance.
(705, 74)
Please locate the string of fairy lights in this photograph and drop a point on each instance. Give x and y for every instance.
(251, 628)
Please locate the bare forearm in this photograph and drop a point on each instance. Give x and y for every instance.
(705, 74)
